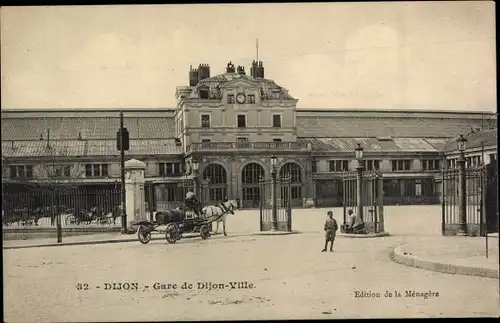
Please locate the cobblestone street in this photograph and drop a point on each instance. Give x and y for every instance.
(291, 278)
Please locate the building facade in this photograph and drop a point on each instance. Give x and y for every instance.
(232, 123)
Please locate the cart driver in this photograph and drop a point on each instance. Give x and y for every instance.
(192, 202)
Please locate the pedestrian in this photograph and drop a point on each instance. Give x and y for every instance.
(355, 224)
(331, 228)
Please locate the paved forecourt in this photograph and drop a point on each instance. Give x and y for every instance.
(399, 220)
(290, 278)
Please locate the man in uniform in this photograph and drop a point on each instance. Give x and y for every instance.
(331, 228)
(192, 202)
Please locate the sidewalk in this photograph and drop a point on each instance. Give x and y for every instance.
(452, 255)
(74, 240)
(90, 239)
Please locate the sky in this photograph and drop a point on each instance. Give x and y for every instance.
(399, 55)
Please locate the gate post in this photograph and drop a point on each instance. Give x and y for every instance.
(274, 224)
(359, 169)
(462, 200)
(262, 199)
(289, 204)
(344, 198)
(380, 202)
(134, 191)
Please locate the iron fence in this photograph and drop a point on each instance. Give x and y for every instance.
(283, 204)
(75, 207)
(475, 189)
(371, 199)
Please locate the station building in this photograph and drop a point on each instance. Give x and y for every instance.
(232, 123)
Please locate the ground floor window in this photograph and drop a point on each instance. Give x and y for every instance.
(251, 193)
(217, 194)
(409, 187)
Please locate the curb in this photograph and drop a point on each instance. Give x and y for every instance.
(365, 236)
(91, 242)
(274, 233)
(400, 256)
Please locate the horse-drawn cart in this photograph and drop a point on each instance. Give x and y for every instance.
(177, 221)
(174, 230)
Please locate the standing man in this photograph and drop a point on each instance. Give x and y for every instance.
(331, 228)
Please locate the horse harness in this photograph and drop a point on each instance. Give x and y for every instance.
(227, 209)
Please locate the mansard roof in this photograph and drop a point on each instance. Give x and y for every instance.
(474, 140)
(269, 88)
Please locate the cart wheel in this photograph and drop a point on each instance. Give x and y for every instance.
(144, 234)
(204, 231)
(172, 233)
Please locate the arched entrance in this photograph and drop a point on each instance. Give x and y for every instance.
(292, 170)
(250, 176)
(217, 186)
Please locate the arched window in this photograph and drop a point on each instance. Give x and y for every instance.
(250, 176)
(292, 170)
(215, 173)
(252, 173)
(217, 185)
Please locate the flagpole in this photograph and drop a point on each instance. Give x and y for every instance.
(257, 47)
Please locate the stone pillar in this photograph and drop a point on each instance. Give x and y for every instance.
(134, 192)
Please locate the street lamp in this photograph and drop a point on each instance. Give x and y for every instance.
(462, 184)
(358, 152)
(461, 143)
(274, 224)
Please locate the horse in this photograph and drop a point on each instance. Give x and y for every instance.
(220, 212)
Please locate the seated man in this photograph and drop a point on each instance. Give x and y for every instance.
(192, 202)
(355, 224)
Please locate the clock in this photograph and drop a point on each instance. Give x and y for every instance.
(241, 98)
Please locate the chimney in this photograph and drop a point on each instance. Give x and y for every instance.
(241, 70)
(254, 70)
(260, 70)
(230, 67)
(203, 72)
(80, 136)
(193, 76)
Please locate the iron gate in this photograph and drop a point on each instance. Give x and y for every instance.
(372, 199)
(283, 204)
(481, 204)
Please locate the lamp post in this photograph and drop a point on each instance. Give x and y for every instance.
(462, 186)
(274, 224)
(359, 169)
(196, 165)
